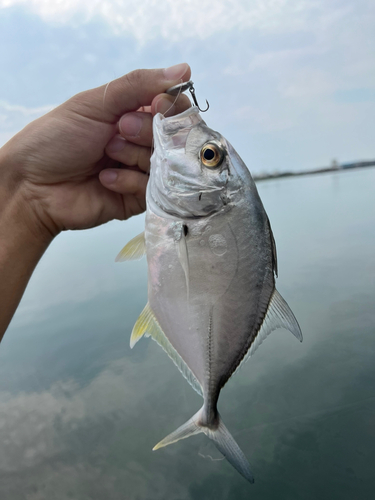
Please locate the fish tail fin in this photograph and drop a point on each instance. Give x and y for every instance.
(186, 430)
(225, 443)
(219, 434)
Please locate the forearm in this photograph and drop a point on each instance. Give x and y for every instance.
(50, 171)
(22, 243)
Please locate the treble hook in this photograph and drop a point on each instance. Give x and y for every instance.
(192, 92)
(182, 87)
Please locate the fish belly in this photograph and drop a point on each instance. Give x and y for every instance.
(210, 307)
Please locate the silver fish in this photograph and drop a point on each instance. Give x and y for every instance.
(211, 268)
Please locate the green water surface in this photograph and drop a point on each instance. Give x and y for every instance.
(80, 411)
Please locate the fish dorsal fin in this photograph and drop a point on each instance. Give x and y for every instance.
(273, 245)
(279, 315)
(148, 325)
(135, 249)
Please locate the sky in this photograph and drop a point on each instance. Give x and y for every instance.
(291, 84)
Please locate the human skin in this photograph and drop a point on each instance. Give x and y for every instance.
(62, 171)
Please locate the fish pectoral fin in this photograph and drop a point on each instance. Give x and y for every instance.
(148, 325)
(279, 315)
(133, 250)
(183, 257)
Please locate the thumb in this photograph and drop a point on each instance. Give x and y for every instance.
(128, 93)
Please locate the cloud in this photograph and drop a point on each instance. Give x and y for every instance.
(88, 441)
(264, 120)
(308, 82)
(35, 426)
(27, 432)
(14, 117)
(173, 20)
(23, 110)
(295, 71)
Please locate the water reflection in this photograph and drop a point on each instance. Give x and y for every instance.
(80, 412)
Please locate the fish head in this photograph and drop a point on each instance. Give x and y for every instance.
(194, 170)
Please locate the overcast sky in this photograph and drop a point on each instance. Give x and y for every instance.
(291, 83)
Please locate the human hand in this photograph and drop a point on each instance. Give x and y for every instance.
(60, 170)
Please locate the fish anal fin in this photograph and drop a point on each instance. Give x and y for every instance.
(133, 250)
(142, 326)
(148, 325)
(279, 315)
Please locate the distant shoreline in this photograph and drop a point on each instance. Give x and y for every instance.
(324, 170)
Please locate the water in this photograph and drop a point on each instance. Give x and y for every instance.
(80, 412)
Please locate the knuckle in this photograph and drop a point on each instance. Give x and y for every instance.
(135, 79)
(141, 185)
(183, 102)
(144, 159)
(80, 103)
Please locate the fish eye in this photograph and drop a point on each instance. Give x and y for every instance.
(211, 155)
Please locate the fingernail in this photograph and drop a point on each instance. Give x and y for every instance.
(165, 107)
(116, 144)
(175, 72)
(131, 124)
(108, 176)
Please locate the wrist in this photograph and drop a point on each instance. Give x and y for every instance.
(19, 213)
(23, 240)
(22, 244)
(21, 233)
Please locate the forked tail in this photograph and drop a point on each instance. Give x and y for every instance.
(219, 434)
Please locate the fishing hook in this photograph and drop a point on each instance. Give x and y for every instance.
(192, 92)
(182, 87)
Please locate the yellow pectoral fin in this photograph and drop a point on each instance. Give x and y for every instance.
(144, 325)
(135, 249)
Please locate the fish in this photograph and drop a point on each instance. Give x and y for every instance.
(212, 265)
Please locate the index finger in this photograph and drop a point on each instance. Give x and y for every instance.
(131, 91)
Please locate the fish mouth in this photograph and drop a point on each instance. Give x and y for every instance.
(172, 132)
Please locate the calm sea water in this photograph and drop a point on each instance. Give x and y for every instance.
(80, 412)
